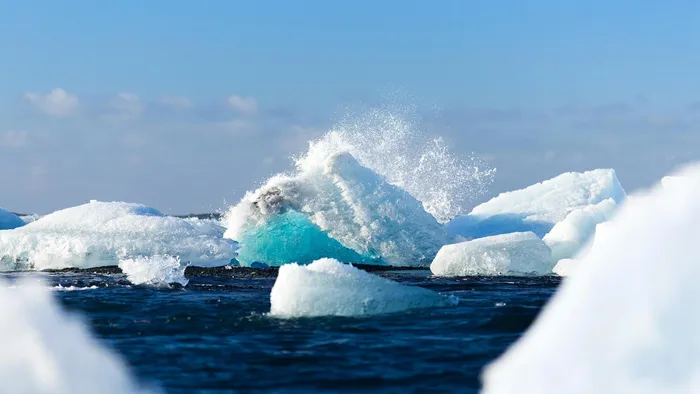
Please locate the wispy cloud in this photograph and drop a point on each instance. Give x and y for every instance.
(58, 102)
(243, 105)
(176, 102)
(13, 139)
(128, 104)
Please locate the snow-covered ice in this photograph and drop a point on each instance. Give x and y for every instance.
(9, 220)
(327, 287)
(626, 321)
(539, 207)
(47, 351)
(336, 208)
(506, 254)
(102, 233)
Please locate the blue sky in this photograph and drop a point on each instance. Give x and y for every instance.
(183, 104)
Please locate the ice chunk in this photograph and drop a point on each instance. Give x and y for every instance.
(337, 209)
(568, 236)
(9, 220)
(154, 270)
(506, 254)
(626, 322)
(102, 233)
(670, 182)
(327, 287)
(566, 267)
(539, 207)
(45, 350)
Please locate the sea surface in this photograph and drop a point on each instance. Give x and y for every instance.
(213, 335)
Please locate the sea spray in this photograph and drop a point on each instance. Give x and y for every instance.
(374, 184)
(291, 218)
(389, 140)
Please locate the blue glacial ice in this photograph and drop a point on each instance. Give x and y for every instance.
(9, 220)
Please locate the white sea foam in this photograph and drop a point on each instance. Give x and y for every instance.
(73, 288)
(327, 287)
(102, 233)
(626, 321)
(539, 207)
(154, 270)
(46, 351)
(505, 254)
(9, 220)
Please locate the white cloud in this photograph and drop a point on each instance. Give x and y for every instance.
(128, 104)
(13, 139)
(177, 102)
(58, 102)
(244, 105)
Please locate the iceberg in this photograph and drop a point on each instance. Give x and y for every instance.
(570, 235)
(102, 233)
(328, 287)
(538, 208)
(507, 254)
(46, 350)
(626, 322)
(8, 220)
(334, 207)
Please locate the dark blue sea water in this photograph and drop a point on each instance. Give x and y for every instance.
(213, 336)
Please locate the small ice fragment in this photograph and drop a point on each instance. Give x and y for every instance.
(327, 287)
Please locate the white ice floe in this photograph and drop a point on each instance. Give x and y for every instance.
(539, 207)
(330, 288)
(571, 234)
(507, 254)
(626, 321)
(154, 270)
(566, 267)
(47, 351)
(102, 233)
(9, 220)
(336, 208)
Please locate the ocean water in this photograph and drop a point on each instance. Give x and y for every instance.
(213, 335)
